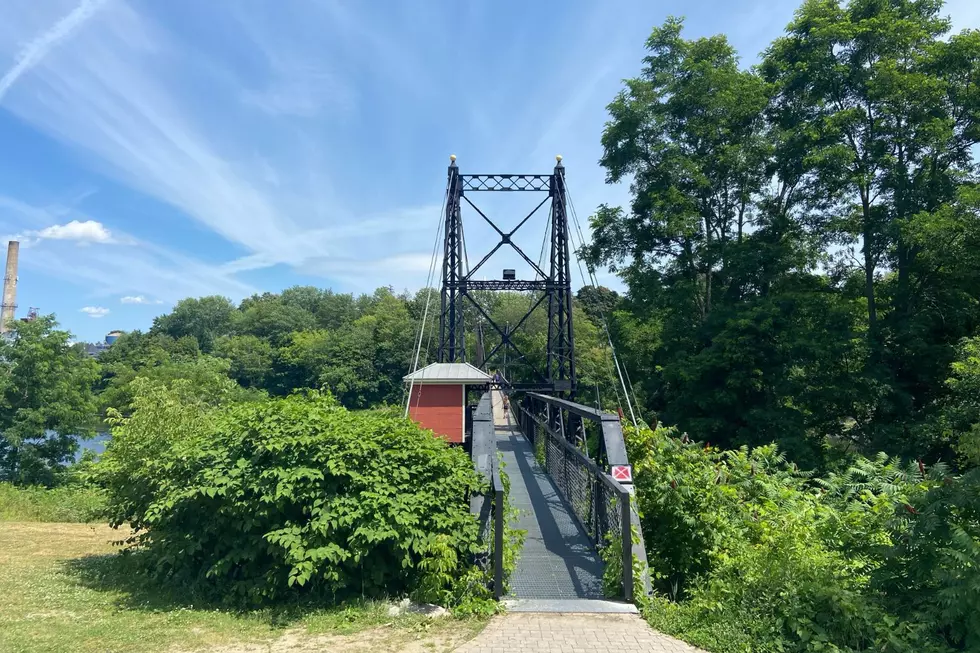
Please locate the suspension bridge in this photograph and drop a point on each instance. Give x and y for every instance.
(570, 480)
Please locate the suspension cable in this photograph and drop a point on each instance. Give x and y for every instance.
(602, 315)
(428, 297)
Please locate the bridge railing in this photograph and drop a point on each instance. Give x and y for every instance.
(497, 488)
(489, 508)
(558, 430)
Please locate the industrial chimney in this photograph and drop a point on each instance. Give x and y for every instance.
(9, 307)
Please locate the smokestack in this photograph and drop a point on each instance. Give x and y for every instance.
(9, 308)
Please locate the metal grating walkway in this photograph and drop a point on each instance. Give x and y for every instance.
(558, 560)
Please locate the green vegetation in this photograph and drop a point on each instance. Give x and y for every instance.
(257, 501)
(801, 247)
(802, 261)
(66, 590)
(46, 402)
(803, 285)
(749, 553)
(71, 503)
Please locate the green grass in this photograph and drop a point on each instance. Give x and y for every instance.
(65, 588)
(39, 504)
(717, 633)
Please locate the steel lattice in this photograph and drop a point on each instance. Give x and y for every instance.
(507, 182)
(510, 284)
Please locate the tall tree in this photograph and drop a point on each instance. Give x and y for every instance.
(689, 131)
(47, 401)
(896, 110)
(205, 318)
(893, 110)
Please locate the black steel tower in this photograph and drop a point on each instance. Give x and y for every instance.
(553, 286)
(452, 337)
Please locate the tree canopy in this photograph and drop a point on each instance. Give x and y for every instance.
(796, 245)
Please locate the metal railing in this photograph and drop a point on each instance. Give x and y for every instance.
(560, 430)
(489, 513)
(497, 488)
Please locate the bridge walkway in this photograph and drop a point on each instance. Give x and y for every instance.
(558, 561)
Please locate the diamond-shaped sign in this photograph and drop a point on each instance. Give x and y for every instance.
(622, 473)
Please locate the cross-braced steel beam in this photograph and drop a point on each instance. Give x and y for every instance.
(554, 285)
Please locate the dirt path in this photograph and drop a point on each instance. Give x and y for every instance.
(446, 638)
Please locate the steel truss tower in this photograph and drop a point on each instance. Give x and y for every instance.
(554, 286)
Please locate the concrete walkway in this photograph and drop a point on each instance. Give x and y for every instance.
(558, 560)
(572, 633)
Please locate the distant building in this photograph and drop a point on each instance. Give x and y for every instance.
(94, 349)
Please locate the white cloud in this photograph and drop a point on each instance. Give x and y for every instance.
(35, 51)
(95, 311)
(122, 266)
(88, 231)
(139, 299)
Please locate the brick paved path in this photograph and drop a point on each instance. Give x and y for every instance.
(572, 633)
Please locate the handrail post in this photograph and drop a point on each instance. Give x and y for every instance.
(625, 514)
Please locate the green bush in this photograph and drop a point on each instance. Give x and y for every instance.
(294, 496)
(748, 553)
(39, 504)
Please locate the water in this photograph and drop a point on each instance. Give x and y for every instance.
(96, 445)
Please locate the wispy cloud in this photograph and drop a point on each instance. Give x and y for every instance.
(138, 299)
(121, 265)
(95, 311)
(43, 43)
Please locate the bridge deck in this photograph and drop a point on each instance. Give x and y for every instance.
(558, 560)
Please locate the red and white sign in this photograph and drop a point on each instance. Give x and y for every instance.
(622, 473)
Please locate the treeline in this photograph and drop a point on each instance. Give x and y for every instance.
(304, 337)
(357, 347)
(802, 250)
(213, 352)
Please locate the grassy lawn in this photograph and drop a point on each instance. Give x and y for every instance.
(63, 588)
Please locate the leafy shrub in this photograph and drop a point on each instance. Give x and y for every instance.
(73, 503)
(259, 501)
(932, 573)
(748, 553)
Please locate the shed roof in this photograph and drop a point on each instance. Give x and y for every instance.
(448, 373)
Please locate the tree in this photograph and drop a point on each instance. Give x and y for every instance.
(202, 380)
(717, 255)
(598, 303)
(894, 111)
(48, 401)
(689, 131)
(309, 298)
(250, 358)
(362, 363)
(861, 69)
(272, 318)
(336, 309)
(206, 319)
(957, 424)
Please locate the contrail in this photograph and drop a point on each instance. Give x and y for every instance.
(36, 50)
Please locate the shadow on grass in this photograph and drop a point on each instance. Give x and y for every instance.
(123, 574)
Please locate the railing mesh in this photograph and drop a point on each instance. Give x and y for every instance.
(597, 504)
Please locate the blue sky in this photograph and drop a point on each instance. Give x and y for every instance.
(152, 150)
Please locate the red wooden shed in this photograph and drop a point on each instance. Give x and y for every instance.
(438, 397)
